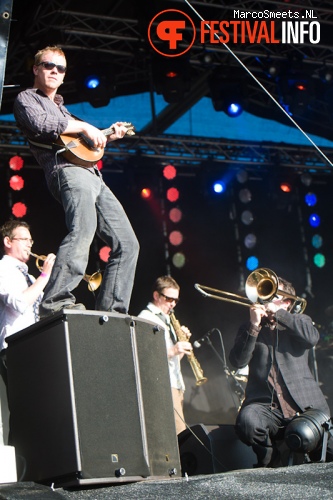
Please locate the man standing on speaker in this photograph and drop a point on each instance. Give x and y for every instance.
(20, 293)
(90, 206)
(165, 298)
(275, 343)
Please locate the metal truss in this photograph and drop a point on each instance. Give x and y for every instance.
(22, 42)
(115, 34)
(192, 153)
(125, 38)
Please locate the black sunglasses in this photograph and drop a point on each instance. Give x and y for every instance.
(51, 65)
(169, 299)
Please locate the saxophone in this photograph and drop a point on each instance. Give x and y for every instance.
(195, 365)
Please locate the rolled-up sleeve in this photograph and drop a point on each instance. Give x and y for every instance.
(12, 296)
(15, 312)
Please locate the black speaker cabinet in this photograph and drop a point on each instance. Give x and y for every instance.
(90, 400)
(210, 449)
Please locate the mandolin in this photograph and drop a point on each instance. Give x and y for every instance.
(80, 150)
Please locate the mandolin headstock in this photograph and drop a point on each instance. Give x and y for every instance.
(130, 128)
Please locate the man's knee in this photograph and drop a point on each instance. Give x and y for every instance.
(251, 425)
(245, 426)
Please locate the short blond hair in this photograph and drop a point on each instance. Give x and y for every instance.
(52, 48)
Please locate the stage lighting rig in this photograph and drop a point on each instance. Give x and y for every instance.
(95, 85)
(171, 78)
(227, 94)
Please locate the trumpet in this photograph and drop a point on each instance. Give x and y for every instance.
(261, 287)
(94, 280)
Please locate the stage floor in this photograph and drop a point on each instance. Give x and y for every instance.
(309, 481)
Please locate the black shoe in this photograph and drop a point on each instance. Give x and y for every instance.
(44, 314)
(275, 460)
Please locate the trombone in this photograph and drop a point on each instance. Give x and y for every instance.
(94, 280)
(261, 286)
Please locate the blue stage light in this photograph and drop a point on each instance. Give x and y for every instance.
(317, 241)
(310, 199)
(219, 187)
(234, 109)
(252, 263)
(95, 86)
(92, 82)
(314, 220)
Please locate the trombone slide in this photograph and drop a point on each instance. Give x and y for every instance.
(262, 285)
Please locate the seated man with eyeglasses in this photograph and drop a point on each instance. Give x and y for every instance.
(20, 293)
(164, 300)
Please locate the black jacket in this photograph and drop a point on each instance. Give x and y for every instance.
(290, 347)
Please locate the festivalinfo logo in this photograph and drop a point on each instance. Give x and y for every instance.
(172, 32)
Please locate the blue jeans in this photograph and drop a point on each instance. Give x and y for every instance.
(91, 208)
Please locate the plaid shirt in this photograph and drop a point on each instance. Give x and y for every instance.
(41, 120)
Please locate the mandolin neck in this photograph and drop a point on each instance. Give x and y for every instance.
(108, 131)
(129, 131)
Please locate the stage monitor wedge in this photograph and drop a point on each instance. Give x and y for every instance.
(91, 401)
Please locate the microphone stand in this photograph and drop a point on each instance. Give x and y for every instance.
(224, 364)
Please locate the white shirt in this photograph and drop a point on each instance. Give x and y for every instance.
(176, 378)
(15, 312)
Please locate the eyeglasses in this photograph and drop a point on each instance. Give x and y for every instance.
(169, 299)
(51, 65)
(279, 298)
(24, 239)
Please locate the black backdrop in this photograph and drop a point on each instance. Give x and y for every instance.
(214, 251)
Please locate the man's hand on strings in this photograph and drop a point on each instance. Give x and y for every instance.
(119, 130)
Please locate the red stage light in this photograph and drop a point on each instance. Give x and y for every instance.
(175, 215)
(104, 253)
(146, 193)
(176, 238)
(171, 74)
(172, 194)
(16, 163)
(301, 86)
(285, 187)
(16, 182)
(169, 172)
(19, 209)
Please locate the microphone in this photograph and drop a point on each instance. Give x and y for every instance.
(197, 343)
